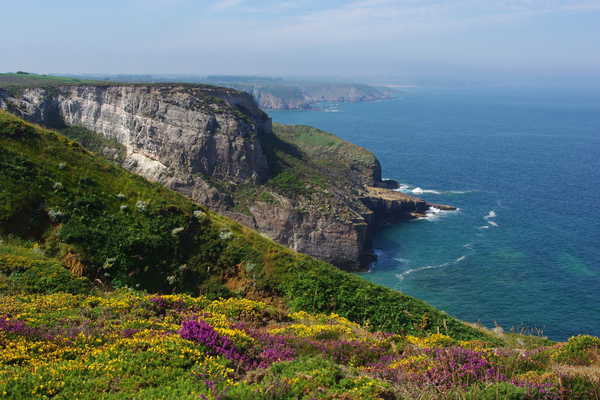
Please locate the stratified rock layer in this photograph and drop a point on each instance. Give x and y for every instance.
(212, 144)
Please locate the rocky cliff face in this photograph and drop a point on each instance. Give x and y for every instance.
(178, 135)
(304, 188)
(303, 95)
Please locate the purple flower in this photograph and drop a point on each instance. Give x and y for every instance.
(201, 332)
(129, 332)
(162, 304)
(17, 327)
(460, 366)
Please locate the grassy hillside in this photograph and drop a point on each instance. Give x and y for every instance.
(83, 242)
(322, 173)
(125, 231)
(57, 343)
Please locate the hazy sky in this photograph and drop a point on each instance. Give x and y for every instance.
(405, 38)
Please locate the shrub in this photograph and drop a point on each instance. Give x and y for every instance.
(39, 275)
(244, 309)
(435, 340)
(456, 366)
(49, 278)
(497, 391)
(200, 332)
(577, 350)
(314, 331)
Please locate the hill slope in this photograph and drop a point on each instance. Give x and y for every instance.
(59, 340)
(126, 231)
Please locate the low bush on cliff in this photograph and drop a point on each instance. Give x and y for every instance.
(109, 148)
(117, 229)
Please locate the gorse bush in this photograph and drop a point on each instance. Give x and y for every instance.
(128, 344)
(578, 350)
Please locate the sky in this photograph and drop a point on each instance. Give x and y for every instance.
(409, 40)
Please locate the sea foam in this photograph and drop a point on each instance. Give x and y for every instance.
(491, 214)
(447, 264)
(434, 213)
(406, 188)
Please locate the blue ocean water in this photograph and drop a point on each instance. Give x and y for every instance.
(523, 166)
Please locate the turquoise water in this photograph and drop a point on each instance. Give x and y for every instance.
(523, 166)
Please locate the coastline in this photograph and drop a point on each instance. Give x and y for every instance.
(391, 207)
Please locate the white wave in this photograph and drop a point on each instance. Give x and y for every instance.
(419, 190)
(491, 214)
(459, 191)
(402, 260)
(447, 264)
(403, 188)
(434, 213)
(468, 246)
(484, 227)
(492, 223)
(406, 188)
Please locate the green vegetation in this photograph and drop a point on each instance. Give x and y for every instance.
(28, 80)
(127, 344)
(13, 82)
(323, 154)
(315, 169)
(83, 242)
(126, 231)
(24, 269)
(99, 144)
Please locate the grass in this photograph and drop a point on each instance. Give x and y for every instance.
(314, 169)
(99, 144)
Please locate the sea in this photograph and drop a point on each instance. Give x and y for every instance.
(523, 167)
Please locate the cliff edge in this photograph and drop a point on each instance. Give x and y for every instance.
(302, 187)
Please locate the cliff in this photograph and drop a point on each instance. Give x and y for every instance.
(302, 187)
(304, 95)
(269, 92)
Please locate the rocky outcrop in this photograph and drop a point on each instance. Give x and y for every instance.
(302, 187)
(391, 206)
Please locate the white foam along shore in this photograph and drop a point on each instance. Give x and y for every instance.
(447, 264)
(406, 188)
(434, 213)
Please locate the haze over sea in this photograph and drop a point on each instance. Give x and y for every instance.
(523, 166)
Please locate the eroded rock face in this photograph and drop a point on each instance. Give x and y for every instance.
(195, 138)
(168, 131)
(342, 243)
